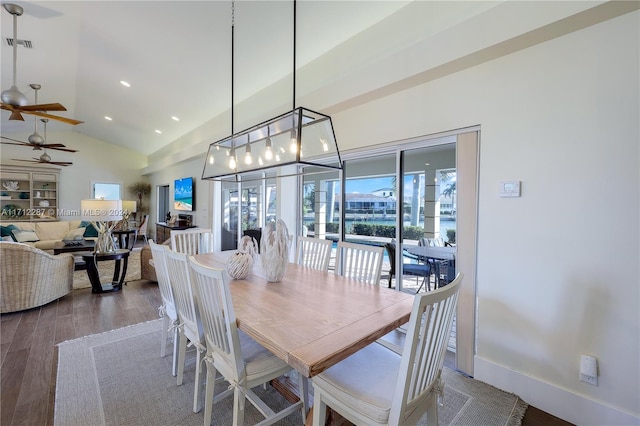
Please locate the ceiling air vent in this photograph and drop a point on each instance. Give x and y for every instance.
(26, 43)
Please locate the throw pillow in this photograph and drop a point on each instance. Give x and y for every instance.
(25, 236)
(75, 234)
(90, 231)
(6, 231)
(8, 238)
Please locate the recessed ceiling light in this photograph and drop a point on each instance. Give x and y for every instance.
(124, 83)
(158, 132)
(106, 117)
(174, 118)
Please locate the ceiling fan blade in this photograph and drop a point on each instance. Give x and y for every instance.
(59, 163)
(55, 117)
(28, 161)
(43, 107)
(16, 143)
(60, 148)
(52, 145)
(64, 149)
(14, 140)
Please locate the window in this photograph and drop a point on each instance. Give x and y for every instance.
(107, 191)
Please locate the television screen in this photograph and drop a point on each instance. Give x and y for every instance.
(183, 194)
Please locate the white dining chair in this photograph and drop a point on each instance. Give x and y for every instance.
(314, 253)
(241, 361)
(377, 386)
(167, 310)
(190, 327)
(142, 229)
(192, 241)
(359, 261)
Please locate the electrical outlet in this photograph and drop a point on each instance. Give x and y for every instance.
(589, 369)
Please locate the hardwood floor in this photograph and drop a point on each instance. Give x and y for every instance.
(30, 357)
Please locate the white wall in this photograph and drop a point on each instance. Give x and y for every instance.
(192, 168)
(558, 270)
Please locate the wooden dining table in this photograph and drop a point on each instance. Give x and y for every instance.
(312, 319)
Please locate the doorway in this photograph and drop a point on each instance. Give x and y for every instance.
(163, 208)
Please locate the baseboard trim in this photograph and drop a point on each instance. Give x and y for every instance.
(562, 403)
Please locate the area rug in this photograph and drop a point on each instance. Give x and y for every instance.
(105, 269)
(118, 378)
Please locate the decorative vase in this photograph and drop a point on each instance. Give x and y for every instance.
(274, 250)
(239, 265)
(249, 245)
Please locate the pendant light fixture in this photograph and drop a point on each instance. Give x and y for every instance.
(300, 137)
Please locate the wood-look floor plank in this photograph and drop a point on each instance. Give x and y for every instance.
(11, 371)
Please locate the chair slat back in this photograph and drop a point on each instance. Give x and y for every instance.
(180, 279)
(218, 318)
(314, 253)
(162, 273)
(424, 350)
(142, 229)
(359, 261)
(192, 241)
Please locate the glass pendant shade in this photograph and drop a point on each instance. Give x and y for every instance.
(301, 136)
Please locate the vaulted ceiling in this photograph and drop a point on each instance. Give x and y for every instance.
(176, 55)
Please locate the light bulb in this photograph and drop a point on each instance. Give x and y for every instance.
(232, 159)
(260, 161)
(248, 159)
(268, 152)
(325, 146)
(211, 159)
(277, 157)
(293, 147)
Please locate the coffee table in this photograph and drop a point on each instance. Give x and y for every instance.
(121, 258)
(84, 246)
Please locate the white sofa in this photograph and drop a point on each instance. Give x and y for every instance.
(48, 233)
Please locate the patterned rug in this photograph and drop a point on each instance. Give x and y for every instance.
(118, 378)
(81, 279)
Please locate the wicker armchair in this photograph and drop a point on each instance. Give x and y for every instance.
(30, 277)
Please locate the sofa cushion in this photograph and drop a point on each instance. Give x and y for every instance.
(6, 231)
(52, 230)
(25, 236)
(90, 230)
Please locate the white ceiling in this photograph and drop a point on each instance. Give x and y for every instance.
(175, 54)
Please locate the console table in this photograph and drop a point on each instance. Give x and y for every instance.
(92, 259)
(163, 230)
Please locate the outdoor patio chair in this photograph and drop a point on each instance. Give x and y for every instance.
(417, 269)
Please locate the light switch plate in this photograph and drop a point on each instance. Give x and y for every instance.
(510, 188)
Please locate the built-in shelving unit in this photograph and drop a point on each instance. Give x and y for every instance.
(29, 193)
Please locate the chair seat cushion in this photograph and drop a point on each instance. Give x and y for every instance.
(415, 269)
(258, 360)
(365, 381)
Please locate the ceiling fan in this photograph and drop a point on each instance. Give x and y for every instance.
(15, 101)
(46, 159)
(38, 142)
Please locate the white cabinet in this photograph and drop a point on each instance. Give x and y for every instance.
(29, 193)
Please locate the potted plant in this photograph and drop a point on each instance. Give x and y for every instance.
(140, 189)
